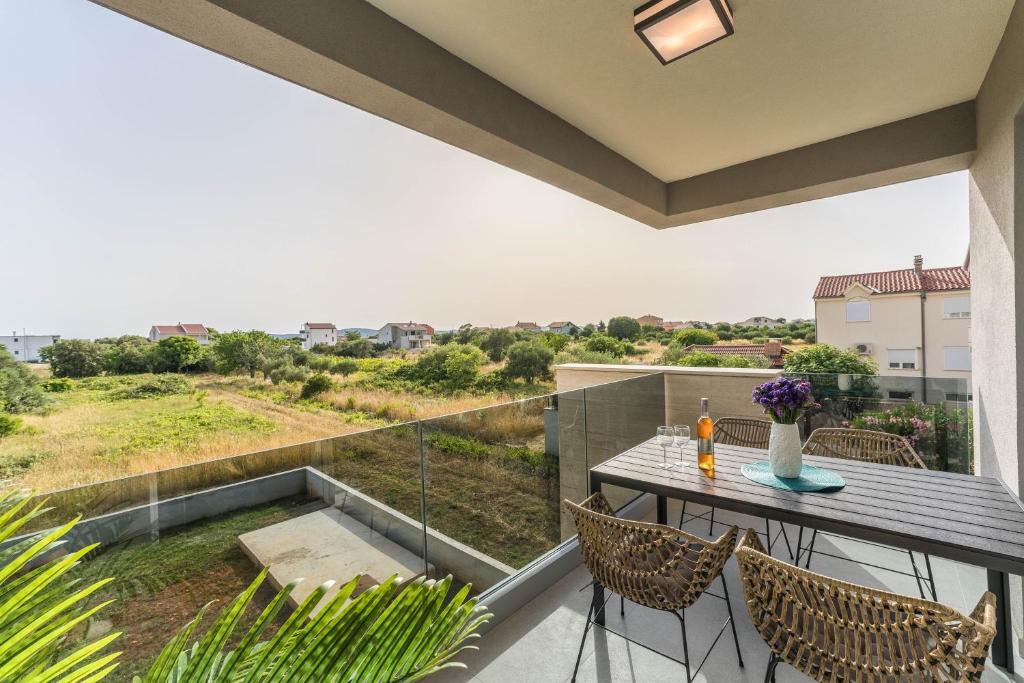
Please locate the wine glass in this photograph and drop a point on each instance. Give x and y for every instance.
(665, 438)
(682, 440)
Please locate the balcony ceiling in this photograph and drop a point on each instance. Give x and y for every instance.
(794, 73)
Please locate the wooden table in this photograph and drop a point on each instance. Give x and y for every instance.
(974, 520)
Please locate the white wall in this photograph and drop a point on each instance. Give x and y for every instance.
(26, 348)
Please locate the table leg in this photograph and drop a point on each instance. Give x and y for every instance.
(662, 510)
(1002, 646)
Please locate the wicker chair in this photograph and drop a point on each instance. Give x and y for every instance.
(837, 631)
(653, 565)
(740, 431)
(876, 447)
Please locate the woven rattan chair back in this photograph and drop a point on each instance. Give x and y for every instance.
(653, 565)
(837, 631)
(742, 431)
(864, 445)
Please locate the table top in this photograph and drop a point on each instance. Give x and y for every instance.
(976, 520)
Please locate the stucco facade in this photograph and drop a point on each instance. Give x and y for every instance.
(892, 332)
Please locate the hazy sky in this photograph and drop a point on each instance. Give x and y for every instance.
(145, 180)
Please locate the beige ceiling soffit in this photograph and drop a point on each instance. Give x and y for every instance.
(351, 51)
(930, 144)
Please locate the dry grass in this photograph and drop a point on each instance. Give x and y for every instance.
(80, 441)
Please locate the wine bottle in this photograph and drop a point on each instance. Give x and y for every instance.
(705, 440)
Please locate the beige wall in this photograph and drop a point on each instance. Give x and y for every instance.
(896, 323)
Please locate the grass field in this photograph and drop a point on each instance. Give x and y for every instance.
(89, 435)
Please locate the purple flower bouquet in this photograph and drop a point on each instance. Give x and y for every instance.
(784, 400)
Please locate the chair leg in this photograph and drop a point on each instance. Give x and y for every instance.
(810, 549)
(931, 577)
(686, 646)
(769, 673)
(732, 622)
(622, 606)
(711, 526)
(583, 641)
(682, 516)
(917, 574)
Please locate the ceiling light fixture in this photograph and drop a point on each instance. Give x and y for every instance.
(675, 28)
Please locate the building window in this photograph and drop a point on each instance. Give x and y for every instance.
(957, 358)
(956, 307)
(858, 310)
(16, 351)
(958, 398)
(901, 395)
(902, 359)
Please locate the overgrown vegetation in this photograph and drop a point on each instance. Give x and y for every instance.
(826, 359)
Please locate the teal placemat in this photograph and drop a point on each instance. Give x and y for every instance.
(810, 479)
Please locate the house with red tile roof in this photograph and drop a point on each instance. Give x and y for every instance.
(313, 334)
(913, 322)
(195, 330)
(771, 354)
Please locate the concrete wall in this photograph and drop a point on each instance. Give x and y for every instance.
(997, 219)
(895, 324)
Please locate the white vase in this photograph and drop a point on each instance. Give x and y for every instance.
(784, 451)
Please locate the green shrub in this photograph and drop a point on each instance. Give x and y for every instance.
(700, 359)
(9, 424)
(451, 367)
(75, 358)
(787, 340)
(529, 361)
(578, 354)
(826, 359)
(602, 343)
(457, 445)
(344, 367)
(20, 388)
(758, 340)
(743, 362)
(694, 336)
(320, 363)
(175, 354)
(58, 385)
(155, 387)
(316, 385)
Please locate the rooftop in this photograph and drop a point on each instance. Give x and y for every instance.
(182, 329)
(896, 281)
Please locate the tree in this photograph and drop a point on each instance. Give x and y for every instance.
(244, 351)
(344, 367)
(128, 355)
(452, 366)
(600, 326)
(529, 361)
(623, 327)
(316, 385)
(496, 342)
(602, 343)
(20, 389)
(588, 330)
(174, 354)
(74, 358)
(826, 359)
(695, 336)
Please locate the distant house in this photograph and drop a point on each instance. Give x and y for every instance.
(651, 320)
(771, 352)
(194, 330)
(408, 335)
(25, 347)
(312, 334)
(562, 327)
(674, 325)
(760, 321)
(913, 322)
(529, 327)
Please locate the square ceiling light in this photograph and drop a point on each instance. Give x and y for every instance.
(675, 28)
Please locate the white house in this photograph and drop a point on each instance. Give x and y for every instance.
(408, 335)
(25, 347)
(760, 321)
(312, 334)
(561, 327)
(913, 322)
(195, 330)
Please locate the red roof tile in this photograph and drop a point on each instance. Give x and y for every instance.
(896, 281)
(185, 329)
(744, 350)
(320, 326)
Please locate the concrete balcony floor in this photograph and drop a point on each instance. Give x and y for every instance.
(540, 641)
